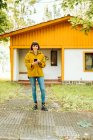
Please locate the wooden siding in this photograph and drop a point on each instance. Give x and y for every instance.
(54, 36)
(48, 36)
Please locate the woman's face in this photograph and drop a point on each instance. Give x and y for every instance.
(35, 47)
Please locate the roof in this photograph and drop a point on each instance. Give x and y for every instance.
(37, 26)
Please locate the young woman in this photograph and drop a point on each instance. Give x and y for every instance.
(35, 61)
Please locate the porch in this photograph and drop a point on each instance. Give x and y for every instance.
(52, 72)
(47, 82)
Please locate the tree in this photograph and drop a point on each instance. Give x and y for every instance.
(18, 16)
(4, 22)
(20, 12)
(52, 11)
(84, 14)
(47, 14)
(3, 4)
(56, 11)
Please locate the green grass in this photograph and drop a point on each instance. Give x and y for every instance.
(8, 90)
(73, 97)
(68, 97)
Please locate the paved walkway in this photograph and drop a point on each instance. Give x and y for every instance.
(19, 122)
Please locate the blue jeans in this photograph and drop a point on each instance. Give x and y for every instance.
(41, 85)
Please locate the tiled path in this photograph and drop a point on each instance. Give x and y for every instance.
(19, 122)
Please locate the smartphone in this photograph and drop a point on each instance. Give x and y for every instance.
(35, 60)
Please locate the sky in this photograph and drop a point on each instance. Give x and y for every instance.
(40, 6)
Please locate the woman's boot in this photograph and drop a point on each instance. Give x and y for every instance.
(44, 108)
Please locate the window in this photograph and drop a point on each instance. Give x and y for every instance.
(53, 58)
(89, 61)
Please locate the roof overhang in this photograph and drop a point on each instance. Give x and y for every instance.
(34, 27)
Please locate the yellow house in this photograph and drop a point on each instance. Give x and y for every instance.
(69, 52)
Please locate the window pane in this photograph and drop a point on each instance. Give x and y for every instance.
(53, 58)
(88, 61)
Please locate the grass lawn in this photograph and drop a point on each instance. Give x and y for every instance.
(59, 97)
(9, 90)
(73, 97)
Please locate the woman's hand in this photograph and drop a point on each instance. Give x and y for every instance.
(36, 62)
(39, 61)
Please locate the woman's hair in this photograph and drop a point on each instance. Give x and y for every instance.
(35, 43)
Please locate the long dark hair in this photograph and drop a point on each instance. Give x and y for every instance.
(35, 43)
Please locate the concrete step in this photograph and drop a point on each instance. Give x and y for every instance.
(47, 82)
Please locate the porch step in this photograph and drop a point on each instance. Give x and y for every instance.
(47, 82)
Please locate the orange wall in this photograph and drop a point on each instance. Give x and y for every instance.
(54, 36)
